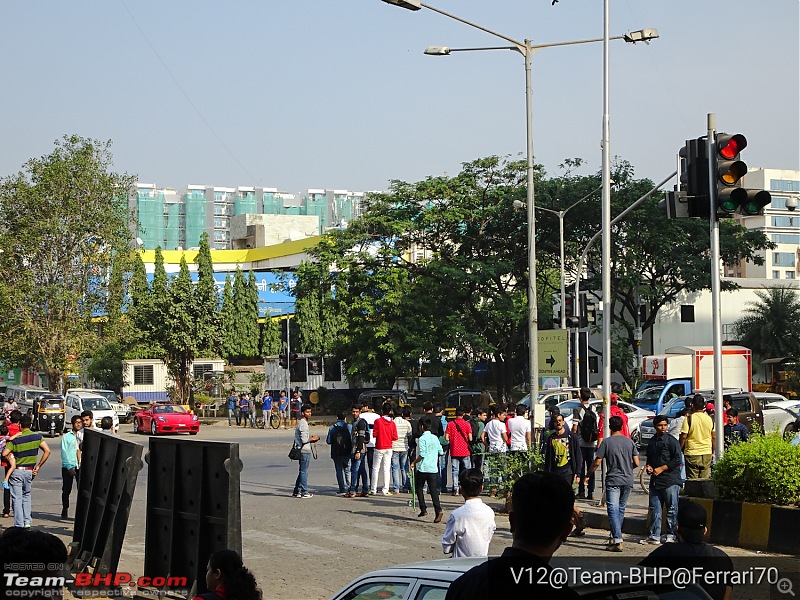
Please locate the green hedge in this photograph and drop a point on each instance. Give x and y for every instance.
(766, 469)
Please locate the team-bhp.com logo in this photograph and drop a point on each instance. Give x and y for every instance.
(45, 584)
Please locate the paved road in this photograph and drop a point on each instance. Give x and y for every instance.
(301, 548)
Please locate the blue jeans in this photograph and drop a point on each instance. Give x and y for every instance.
(342, 466)
(301, 484)
(358, 470)
(231, 414)
(458, 464)
(400, 471)
(20, 482)
(669, 496)
(616, 500)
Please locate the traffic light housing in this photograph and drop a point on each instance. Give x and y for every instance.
(569, 306)
(282, 361)
(732, 198)
(694, 177)
(292, 359)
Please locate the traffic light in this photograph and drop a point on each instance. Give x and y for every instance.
(694, 177)
(282, 361)
(292, 359)
(731, 196)
(569, 306)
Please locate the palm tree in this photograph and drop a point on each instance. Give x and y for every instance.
(770, 326)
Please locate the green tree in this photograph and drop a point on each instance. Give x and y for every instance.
(654, 260)
(250, 330)
(207, 300)
(228, 347)
(63, 220)
(270, 343)
(770, 326)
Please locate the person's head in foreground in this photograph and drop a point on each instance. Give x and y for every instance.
(226, 571)
(541, 513)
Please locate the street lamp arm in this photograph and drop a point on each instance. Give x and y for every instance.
(614, 221)
(518, 45)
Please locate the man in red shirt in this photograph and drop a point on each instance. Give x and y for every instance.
(385, 432)
(459, 434)
(616, 411)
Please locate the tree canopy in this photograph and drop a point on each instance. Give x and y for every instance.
(63, 222)
(437, 269)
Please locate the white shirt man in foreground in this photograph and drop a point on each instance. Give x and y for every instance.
(470, 528)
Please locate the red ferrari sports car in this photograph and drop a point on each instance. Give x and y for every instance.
(166, 418)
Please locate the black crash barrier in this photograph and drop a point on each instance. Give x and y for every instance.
(109, 466)
(193, 507)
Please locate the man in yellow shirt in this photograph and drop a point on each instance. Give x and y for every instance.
(697, 440)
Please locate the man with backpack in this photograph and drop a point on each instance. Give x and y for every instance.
(360, 439)
(584, 424)
(340, 440)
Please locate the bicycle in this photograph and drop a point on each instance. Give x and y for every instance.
(274, 421)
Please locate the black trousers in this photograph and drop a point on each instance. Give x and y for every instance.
(432, 479)
(66, 486)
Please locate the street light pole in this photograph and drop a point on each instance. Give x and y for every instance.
(561, 214)
(527, 48)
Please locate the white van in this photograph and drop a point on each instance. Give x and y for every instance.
(77, 402)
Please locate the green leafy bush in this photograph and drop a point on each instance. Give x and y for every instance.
(765, 469)
(504, 469)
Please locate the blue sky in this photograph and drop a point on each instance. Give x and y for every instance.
(337, 94)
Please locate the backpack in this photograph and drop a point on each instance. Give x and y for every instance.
(341, 444)
(588, 426)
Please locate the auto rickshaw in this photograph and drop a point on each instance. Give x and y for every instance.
(48, 414)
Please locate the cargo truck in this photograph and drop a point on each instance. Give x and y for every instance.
(682, 370)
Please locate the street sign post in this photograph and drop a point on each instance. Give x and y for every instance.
(553, 353)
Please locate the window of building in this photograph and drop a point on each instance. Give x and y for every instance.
(786, 238)
(143, 375)
(220, 209)
(785, 222)
(783, 259)
(789, 274)
(199, 369)
(784, 185)
(219, 236)
(687, 313)
(776, 274)
(220, 222)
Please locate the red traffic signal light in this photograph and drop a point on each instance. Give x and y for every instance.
(731, 196)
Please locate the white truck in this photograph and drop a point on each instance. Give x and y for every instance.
(682, 370)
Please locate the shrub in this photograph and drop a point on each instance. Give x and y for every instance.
(765, 469)
(504, 469)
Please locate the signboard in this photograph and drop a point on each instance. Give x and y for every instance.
(274, 290)
(553, 353)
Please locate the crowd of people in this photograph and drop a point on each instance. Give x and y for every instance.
(245, 409)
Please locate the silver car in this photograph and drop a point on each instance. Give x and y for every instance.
(430, 580)
(635, 414)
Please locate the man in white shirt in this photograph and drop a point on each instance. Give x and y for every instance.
(494, 434)
(520, 430)
(370, 417)
(470, 528)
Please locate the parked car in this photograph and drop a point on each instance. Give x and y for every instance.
(464, 397)
(635, 414)
(646, 428)
(552, 396)
(430, 580)
(781, 416)
(166, 418)
(744, 402)
(123, 410)
(77, 402)
(377, 397)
